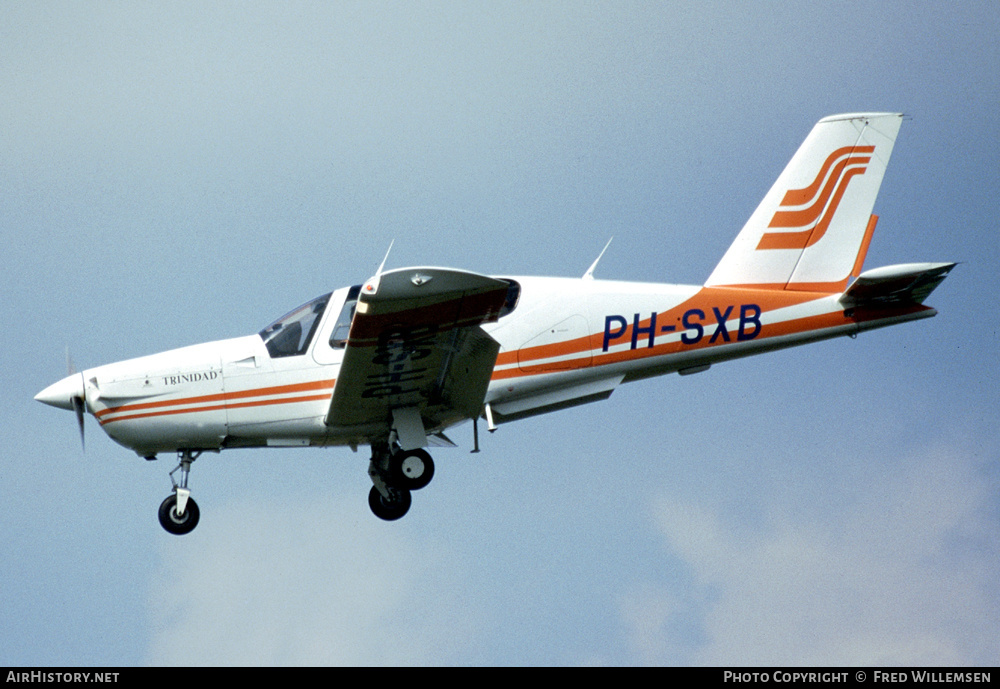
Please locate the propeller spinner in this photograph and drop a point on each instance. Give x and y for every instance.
(68, 393)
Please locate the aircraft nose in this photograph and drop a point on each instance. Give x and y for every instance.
(61, 394)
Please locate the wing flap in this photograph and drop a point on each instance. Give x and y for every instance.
(415, 343)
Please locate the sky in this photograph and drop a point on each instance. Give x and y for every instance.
(175, 173)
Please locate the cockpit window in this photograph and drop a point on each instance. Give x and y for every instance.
(291, 334)
(338, 339)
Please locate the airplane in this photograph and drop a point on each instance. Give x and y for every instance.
(395, 361)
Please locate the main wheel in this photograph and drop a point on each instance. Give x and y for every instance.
(386, 509)
(412, 470)
(178, 524)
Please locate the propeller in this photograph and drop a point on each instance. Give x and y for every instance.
(68, 393)
(78, 401)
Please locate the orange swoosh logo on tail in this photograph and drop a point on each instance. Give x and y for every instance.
(823, 196)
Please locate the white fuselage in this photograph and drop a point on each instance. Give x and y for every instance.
(568, 341)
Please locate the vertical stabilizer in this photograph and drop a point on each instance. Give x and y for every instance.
(811, 227)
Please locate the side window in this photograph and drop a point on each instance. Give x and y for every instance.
(338, 339)
(291, 334)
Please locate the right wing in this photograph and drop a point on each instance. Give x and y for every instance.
(416, 359)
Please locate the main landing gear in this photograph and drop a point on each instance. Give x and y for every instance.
(395, 473)
(179, 512)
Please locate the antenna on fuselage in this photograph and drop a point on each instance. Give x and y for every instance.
(589, 275)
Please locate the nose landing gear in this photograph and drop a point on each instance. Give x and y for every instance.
(179, 513)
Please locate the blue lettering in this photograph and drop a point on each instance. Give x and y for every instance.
(749, 313)
(720, 329)
(699, 330)
(636, 330)
(614, 335)
(693, 322)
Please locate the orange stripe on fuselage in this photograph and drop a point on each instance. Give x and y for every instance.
(707, 298)
(218, 407)
(224, 397)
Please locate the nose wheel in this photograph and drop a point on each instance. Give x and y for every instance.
(179, 513)
(176, 522)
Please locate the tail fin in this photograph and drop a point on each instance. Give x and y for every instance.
(811, 230)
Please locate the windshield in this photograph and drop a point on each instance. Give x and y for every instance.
(291, 334)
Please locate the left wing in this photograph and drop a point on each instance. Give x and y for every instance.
(416, 359)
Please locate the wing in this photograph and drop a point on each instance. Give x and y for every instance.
(416, 358)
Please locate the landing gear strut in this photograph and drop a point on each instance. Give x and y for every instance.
(395, 473)
(179, 513)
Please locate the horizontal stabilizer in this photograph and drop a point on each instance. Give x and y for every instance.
(909, 283)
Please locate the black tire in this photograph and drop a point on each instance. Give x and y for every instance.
(412, 470)
(178, 525)
(389, 511)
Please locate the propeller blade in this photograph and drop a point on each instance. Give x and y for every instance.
(78, 409)
(78, 402)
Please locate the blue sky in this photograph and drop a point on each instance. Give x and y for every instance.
(174, 173)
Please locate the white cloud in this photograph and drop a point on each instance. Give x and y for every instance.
(314, 583)
(903, 571)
